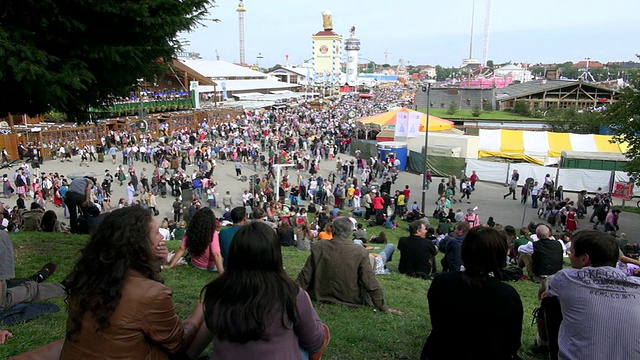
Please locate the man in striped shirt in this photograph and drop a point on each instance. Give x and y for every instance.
(600, 303)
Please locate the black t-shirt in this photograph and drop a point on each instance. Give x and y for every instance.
(415, 255)
(492, 313)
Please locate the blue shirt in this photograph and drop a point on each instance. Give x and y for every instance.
(225, 236)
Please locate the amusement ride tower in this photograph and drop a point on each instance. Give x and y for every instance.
(352, 46)
(241, 10)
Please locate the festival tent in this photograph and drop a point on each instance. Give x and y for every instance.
(387, 121)
(542, 147)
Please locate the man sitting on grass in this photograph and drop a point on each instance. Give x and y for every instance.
(416, 252)
(600, 304)
(339, 271)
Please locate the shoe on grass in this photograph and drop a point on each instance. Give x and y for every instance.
(47, 270)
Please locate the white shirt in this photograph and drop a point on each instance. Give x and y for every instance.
(528, 247)
(536, 190)
(601, 310)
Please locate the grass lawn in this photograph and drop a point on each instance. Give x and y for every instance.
(356, 333)
(466, 114)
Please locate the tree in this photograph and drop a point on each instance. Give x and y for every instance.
(623, 118)
(274, 67)
(569, 71)
(490, 64)
(522, 108)
(453, 108)
(572, 120)
(476, 111)
(72, 55)
(442, 73)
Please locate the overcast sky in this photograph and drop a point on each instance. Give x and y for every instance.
(427, 31)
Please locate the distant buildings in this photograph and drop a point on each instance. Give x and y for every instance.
(516, 72)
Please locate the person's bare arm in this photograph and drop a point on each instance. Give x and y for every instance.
(542, 291)
(203, 338)
(4, 335)
(87, 193)
(175, 259)
(217, 257)
(628, 260)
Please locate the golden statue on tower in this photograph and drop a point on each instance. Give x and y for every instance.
(327, 23)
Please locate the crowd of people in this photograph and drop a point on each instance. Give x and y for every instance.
(115, 291)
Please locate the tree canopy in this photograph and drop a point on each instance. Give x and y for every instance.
(72, 54)
(623, 118)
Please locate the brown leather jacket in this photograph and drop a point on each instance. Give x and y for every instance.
(143, 326)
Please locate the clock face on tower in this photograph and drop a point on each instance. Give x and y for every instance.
(324, 49)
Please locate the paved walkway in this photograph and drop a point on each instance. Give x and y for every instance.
(487, 197)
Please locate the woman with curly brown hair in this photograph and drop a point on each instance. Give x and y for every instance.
(118, 306)
(201, 239)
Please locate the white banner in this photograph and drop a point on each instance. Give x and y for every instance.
(488, 170)
(414, 124)
(536, 172)
(582, 179)
(401, 124)
(621, 176)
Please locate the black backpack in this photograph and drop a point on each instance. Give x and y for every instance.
(311, 209)
(512, 273)
(19, 181)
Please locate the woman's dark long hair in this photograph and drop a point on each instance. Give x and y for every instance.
(200, 230)
(254, 290)
(121, 243)
(484, 253)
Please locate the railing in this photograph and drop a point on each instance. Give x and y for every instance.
(133, 108)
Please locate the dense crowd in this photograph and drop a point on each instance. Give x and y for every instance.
(290, 201)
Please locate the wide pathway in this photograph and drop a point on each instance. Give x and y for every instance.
(487, 197)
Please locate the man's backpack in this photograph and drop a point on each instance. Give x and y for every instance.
(19, 181)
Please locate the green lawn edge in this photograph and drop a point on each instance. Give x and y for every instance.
(465, 114)
(356, 333)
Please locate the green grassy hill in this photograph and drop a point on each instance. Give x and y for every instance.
(356, 333)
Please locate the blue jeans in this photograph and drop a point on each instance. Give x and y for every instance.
(387, 252)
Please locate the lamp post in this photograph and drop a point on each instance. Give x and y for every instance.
(426, 89)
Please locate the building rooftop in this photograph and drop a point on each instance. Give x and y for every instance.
(218, 69)
(249, 85)
(536, 86)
